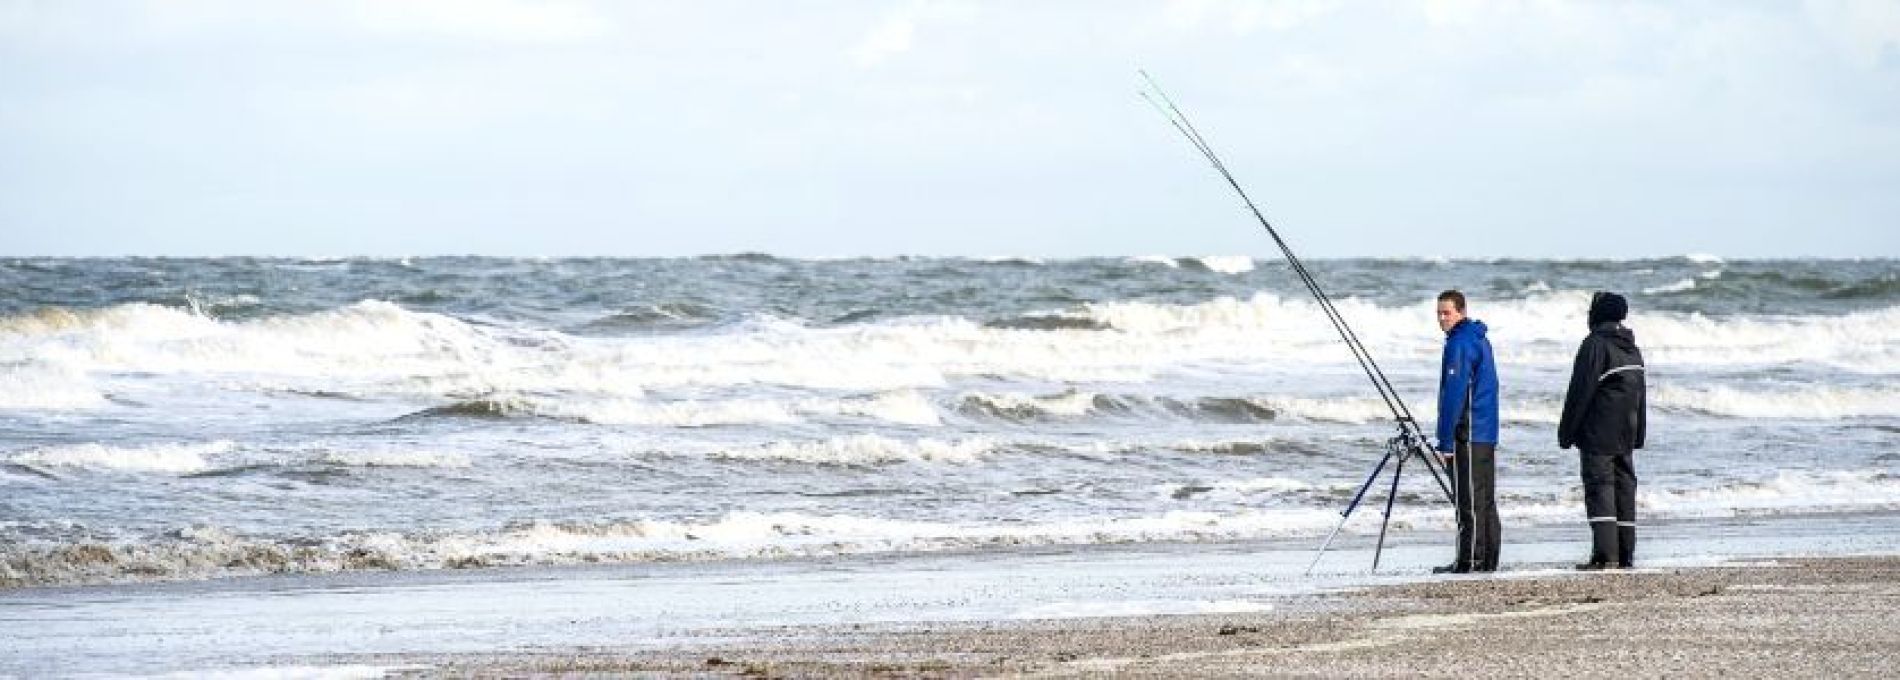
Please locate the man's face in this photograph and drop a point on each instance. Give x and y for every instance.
(1448, 315)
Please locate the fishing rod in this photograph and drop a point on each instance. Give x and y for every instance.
(1409, 442)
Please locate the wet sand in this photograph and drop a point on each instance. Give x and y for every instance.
(1819, 617)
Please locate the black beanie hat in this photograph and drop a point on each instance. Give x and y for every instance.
(1607, 306)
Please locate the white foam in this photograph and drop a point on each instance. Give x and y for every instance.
(1786, 491)
(688, 413)
(1256, 508)
(1242, 491)
(1335, 410)
(906, 407)
(1703, 258)
(1071, 403)
(1163, 260)
(38, 386)
(752, 534)
(1814, 402)
(1227, 264)
(866, 449)
(378, 349)
(182, 458)
(1266, 484)
(1677, 287)
(398, 458)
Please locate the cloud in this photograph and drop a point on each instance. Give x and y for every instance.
(891, 37)
(1867, 30)
(896, 33)
(1243, 17)
(498, 20)
(164, 23)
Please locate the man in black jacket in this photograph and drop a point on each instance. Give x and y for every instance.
(1604, 417)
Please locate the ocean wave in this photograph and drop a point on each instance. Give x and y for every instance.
(1788, 491)
(378, 349)
(1047, 322)
(174, 458)
(1251, 446)
(1257, 508)
(475, 408)
(865, 449)
(36, 386)
(674, 315)
(1540, 329)
(209, 552)
(372, 340)
(397, 458)
(1223, 264)
(1163, 260)
(685, 413)
(1677, 287)
(1237, 491)
(1220, 264)
(1819, 402)
(905, 407)
(1017, 407)
(1020, 407)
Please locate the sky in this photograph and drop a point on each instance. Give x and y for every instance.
(1448, 128)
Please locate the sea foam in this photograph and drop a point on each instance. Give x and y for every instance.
(174, 458)
(378, 349)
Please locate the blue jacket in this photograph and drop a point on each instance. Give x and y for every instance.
(1468, 386)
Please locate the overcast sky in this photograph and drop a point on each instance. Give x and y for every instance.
(1456, 128)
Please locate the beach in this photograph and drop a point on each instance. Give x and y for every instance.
(1815, 617)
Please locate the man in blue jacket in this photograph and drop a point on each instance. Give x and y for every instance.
(1468, 434)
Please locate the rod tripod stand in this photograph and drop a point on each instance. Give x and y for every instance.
(1410, 440)
(1401, 447)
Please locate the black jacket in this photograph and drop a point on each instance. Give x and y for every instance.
(1604, 408)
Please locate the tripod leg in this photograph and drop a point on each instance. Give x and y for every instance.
(1433, 464)
(1347, 513)
(1383, 523)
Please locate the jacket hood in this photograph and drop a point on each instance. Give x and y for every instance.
(1468, 327)
(1617, 334)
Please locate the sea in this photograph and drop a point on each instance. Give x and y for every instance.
(169, 420)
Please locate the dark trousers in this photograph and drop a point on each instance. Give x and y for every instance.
(1609, 499)
(1474, 474)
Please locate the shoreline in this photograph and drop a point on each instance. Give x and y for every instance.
(1141, 609)
(1798, 617)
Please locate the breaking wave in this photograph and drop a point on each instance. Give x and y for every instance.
(1292, 507)
(1019, 407)
(177, 458)
(1808, 402)
(867, 449)
(906, 407)
(398, 458)
(54, 359)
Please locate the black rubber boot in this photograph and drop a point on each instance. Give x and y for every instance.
(1626, 546)
(1604, 546)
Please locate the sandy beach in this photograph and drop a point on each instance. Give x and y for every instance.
(1815, 617)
